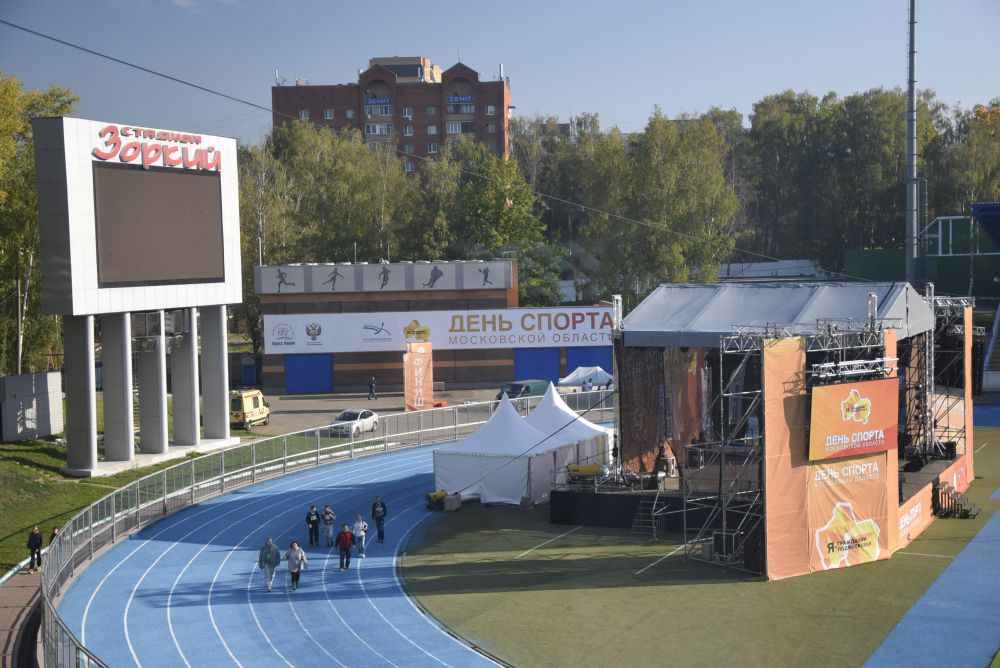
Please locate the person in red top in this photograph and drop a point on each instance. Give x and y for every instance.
(345, 541)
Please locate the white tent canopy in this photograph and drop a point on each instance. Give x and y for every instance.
(553, 416)
(498, 462)
(581, 374)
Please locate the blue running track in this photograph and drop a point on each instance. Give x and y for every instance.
(187, 590)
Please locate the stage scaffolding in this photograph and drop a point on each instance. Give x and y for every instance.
(945, 426)
(724, 482)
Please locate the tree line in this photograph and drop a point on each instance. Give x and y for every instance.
(800, 177)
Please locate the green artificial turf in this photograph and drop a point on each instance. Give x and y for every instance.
(578, 600)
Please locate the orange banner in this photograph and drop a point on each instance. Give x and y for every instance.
(852, 419)
(418, 376)
(848, 505)
(915, 515)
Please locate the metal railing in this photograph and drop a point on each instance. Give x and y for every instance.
(150, 498)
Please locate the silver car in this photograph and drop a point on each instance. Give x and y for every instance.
(353, 421)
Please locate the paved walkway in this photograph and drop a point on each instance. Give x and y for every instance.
(17, 597)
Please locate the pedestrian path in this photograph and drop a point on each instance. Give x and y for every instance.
(18, 597)
(187, 590)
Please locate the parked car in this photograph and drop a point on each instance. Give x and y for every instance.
(521, 389)
(247, 408)
(353, 421)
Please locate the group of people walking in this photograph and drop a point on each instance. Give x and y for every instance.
(346, 540)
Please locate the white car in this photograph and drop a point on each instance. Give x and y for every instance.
(353, 421)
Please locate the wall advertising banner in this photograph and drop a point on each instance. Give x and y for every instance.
(915, 515)
(853, 419)
(848, 505)
(418, 376)
(446, 330)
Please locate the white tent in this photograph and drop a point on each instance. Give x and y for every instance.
(581, 374)
(553, 416)
(503, 461)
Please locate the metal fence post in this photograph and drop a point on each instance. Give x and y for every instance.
(222, 472)
(164, 491)
(90, 521)
(253, 462)
(114, 518)
(284, 454)
(454, 411)
(192, 481)
(420, 427)
(351, 446)
(317, 447)
(385, 435)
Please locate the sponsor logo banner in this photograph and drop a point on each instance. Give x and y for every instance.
(418, 376)
(445, 330)
(848, 508)
(853, 419)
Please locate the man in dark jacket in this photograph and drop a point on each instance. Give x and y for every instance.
(312, 521)
(35, 548)
(345, 541)
(371, 389)
(268, 560)
(379, 513)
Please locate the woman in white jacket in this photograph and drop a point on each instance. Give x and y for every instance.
(297, 562)
(359, 530)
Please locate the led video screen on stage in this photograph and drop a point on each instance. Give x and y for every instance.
(853, 419)
(157, 226)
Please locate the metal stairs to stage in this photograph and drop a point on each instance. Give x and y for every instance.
(644, 523)
(949, 502)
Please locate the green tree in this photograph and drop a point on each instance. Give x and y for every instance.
(19, 243)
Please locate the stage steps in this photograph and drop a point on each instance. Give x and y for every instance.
(949, 502)
(644, 525)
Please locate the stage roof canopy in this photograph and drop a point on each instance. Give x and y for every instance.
(679, 314)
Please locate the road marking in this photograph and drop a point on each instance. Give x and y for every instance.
(982, 446)
(675, 551)
(921, 554)
(548, 541)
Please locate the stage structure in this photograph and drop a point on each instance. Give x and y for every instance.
(140, 244)
(816, 426)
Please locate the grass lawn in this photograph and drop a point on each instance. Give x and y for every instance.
(579, 599)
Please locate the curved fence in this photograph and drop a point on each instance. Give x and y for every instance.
(150, 498)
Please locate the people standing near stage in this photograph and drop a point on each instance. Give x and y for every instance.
(360, 530)
(268, 560)
(345, 541)
(329, 517)
(379, 513)
(312, 521)
(35, 548)
(297, 562)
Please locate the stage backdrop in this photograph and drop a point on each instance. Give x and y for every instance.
(852, 419)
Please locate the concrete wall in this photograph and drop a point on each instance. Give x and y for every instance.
(31, 405)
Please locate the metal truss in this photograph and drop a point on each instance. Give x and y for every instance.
(848, 369)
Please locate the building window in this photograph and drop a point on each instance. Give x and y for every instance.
(432, 148)
(408, 112)
(372, 144)
(453, 127)
(468, 126)
(382, 129)
(491, 110)
(432, 111)
(350, 113)
(432, 129)
(492, 145)
(375, 110)
(303, 114)
(407, 166)
(491, 128)
(328, 114)
(408, 130)
(408, 149)
(461, 108)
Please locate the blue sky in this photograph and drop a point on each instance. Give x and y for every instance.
(615, 59)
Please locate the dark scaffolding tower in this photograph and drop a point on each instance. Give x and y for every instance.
(946, 373)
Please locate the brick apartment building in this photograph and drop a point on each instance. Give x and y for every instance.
(409, 100)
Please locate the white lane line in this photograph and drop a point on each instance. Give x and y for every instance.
(232, 551)
(675, 551)
(551, 540)
(270, 485)
(368, 598)
(982, 446)
(921, 554)
(433, 622)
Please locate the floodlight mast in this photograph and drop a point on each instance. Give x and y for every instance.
(912, 238)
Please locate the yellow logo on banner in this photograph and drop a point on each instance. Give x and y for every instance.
(416, 331)
(856, 408)
(845, 540)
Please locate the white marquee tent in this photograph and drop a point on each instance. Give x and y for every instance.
(553, 416)
(595, 374)
(503, 461)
